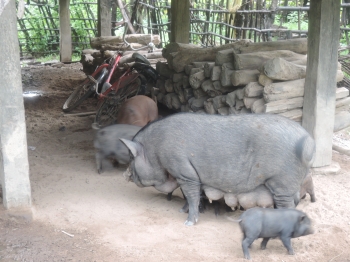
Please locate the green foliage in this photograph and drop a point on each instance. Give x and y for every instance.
(38, 30)
(47, 58)
(292, 21)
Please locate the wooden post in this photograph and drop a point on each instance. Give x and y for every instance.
(320, 82)
(65, 32)
(14, 166)
(180, 21)
(104, 16)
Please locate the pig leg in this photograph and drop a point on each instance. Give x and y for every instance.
(288, 244)
(246, 243)
(192, 193)
(312, 195)
(281, 197)
(184, 209)
(99, 158)
(169, 196)
(264, 243)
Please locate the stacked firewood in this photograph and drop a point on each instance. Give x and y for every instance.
(242, 77)
(283, 89)
(106, 46)
(211, 80)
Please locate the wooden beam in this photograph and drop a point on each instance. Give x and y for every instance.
(65, 32)
(14, 166)
(125, 16)
(180, 21)
(320, 82)
(104, 16)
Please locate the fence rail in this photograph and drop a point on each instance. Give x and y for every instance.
(211, 23)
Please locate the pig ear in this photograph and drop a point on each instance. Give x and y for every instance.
(134, 147)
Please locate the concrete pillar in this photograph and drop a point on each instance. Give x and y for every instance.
(104, 16)
(65, 32)
(14, 167)
(180, 21)
(320, 83)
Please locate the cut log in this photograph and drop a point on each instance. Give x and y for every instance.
(296, 45)
(208, 87)
(91, 51)
(160, 85)
(198, 103)
(178, 87)
(341, 92)
(284, 90)
(188, 69)
(258, 106)
(239, 104)
(224, 111)
(243, 77)
(197, 79)
(154, 55)
(186, 81)
(160, 98)
(219, 101)
(185, 57)
(340, 76)
(245, 110)
(143, 39)
(175, 102)
(169, 86)
(198, 93)
(225, 76)
(224, 56)
(188, 93)
(342, 102)
(253, 89)
(295, 114)
(257, 59)
(185, 108)
(209, 107)
(177, 47)
(280, 69)
(264, 80)
(281, 106)
(168, 100)
(215, 73)
(249, 101)
(341, 121)
(240, 93)
(178, 77)
(233, 111)
(164, 70)
(217, 85)
(195, 70)
(230, 99)
(342, 108)
(200, 64)
(208, 67)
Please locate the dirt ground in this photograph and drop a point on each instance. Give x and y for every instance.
(80, 215)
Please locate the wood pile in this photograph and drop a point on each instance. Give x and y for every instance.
(106, 46)
(238, 78)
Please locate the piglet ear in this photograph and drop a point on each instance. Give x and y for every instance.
(134, 147)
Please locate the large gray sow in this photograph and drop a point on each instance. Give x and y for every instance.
(232, 154)
(269, 223)
(108, 144)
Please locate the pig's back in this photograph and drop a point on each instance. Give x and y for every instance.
(245, 149)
